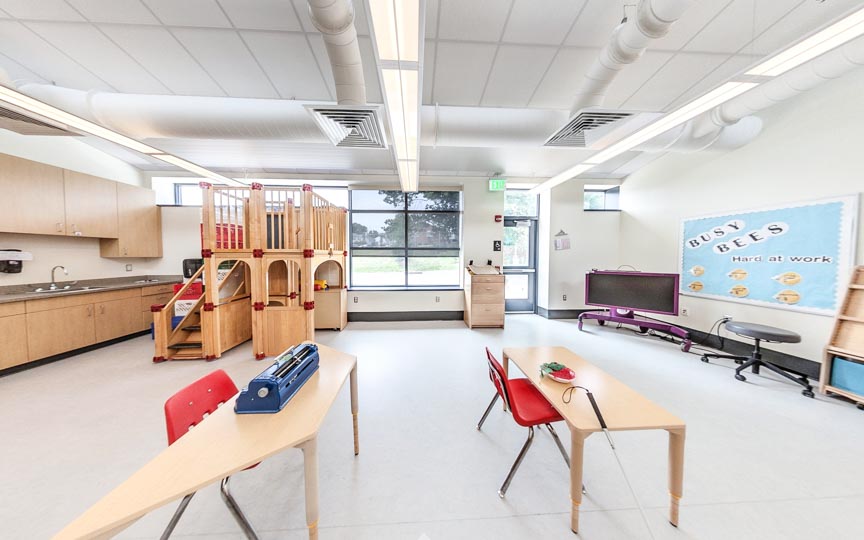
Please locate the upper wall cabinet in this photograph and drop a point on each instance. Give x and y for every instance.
(91, 206)
(140, 225)
(33, 200)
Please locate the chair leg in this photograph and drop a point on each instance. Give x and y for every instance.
(488, 410)
(561, 448)
(176, 517)
(515, 467)
(235, 511)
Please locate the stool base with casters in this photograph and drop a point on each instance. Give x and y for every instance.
(760, 333)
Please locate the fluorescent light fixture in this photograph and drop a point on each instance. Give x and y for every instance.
(197, 169)
(402, 96)
(842, 31)
(397, 29)
(408, 175)
(29, 104)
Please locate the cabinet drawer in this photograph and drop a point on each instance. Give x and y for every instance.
(494, 290)
(147, 301)
(158, 289)
(12, 308)
(486, 312)
(487, 279)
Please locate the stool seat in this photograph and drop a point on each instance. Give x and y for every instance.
(763, 332)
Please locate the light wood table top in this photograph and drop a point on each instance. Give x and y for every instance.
(623, 408)
(223, 444)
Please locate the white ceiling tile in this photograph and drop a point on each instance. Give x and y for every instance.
(158, 51)
(736, 25)
(432, 18)
(515, 74)
(90, 48)
(698, 15)
(361, 21)
(544, 22)
(33, 52)
(44, 10)
(115, 11)
(595, 24)
(634, 76)
(205, 13)
(804, 20)
(370, 70)
(558, 87)
(225, 57)
(477, 20)
(672, 80)
(428, 71)
(730, 67)
(460, 72)
(320, 52)
(295, 75)
(17, 72)
(261, 14)
(302, 8)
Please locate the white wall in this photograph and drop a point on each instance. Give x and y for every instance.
(593, 244)
(80, 256)
(811, 148)
(70, 153)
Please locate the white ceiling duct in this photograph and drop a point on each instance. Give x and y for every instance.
(627, 43)
(335, 20)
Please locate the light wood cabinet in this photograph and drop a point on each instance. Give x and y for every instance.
(139, 225)
(13, 335)
(117, 318)
(33, 197)
(331, 309)
(56, 331)
(484, 299)
(91, 205)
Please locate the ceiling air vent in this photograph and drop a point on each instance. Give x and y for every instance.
(573, 134)
(353, 126)
(19, 123)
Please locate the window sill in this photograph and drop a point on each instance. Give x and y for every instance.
(601, 209)
(419, 288)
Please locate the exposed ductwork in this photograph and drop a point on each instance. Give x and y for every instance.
(335, 20)
(627, 43)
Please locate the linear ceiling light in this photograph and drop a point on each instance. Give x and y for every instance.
(842, 31)
(197, 169)
(397, 29)
(675, 118)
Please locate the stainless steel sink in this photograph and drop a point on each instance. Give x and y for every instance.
(69, 290)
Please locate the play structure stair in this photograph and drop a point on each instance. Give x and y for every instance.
(262, 250)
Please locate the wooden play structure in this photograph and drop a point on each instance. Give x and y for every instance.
(263, 249)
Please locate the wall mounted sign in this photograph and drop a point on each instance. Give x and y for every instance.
(790, 257)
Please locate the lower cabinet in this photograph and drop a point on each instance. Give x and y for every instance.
(117, 318)
(55, 331)
(13, 335)
(331, 309)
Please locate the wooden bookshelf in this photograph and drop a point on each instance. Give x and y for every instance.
(847, 341)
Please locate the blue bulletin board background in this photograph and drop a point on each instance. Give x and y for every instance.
(790, 257)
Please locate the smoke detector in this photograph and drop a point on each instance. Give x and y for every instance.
(572, 135)
(25, 125)
(350, 126)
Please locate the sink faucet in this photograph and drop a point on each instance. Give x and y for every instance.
(53, 286)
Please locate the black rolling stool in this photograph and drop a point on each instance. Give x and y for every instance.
(760, 332)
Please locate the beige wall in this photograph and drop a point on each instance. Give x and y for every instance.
(811, 148)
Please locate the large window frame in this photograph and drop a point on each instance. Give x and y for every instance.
(406, 252)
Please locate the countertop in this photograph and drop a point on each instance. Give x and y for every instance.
(20, 293)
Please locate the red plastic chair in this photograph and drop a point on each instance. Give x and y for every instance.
(528, 407)
(183, 411)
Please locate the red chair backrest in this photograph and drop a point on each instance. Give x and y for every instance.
(498, 377)
(189, 406)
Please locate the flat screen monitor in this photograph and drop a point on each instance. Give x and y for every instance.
(637, 291)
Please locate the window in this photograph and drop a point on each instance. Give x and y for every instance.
(520, 204)
(405, 239)
(185, 191)
(599, 197)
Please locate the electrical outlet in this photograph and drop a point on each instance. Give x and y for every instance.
(355, 299)
(685, 312)
(128, 267)
(564, 297)
(437, 299)
(727, 318)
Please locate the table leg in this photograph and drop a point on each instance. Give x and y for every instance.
(676, 472)
(310, 474)
(354, 409)
(577, 447)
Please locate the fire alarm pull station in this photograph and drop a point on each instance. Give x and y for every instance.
(499, 218)
(496, 245)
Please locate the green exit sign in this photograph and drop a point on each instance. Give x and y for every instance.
(497, 184)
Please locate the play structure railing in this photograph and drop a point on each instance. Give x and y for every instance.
(270, 219)
(166, 334)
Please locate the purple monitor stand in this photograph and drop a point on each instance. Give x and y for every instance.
(626, 316)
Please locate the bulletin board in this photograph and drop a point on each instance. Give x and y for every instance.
(789, 257)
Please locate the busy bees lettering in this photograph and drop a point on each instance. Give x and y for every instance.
(790, 257)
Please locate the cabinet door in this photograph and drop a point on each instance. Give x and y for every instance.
(32, 197)
(139, 224)
(59, 330)
(91, 206)
(117, 318)
(13, 336)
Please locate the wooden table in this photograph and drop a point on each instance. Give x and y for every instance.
(622, 407)
(223, 444)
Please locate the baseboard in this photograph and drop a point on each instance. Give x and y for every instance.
(561, 313)
(68, 354)
(396, 316)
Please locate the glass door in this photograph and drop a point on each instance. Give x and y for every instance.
(520, 264)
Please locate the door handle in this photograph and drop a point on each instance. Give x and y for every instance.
(89, 311)
(101, 310)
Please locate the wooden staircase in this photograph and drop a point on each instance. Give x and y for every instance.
(186, 342)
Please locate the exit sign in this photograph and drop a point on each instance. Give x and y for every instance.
(497, 184)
